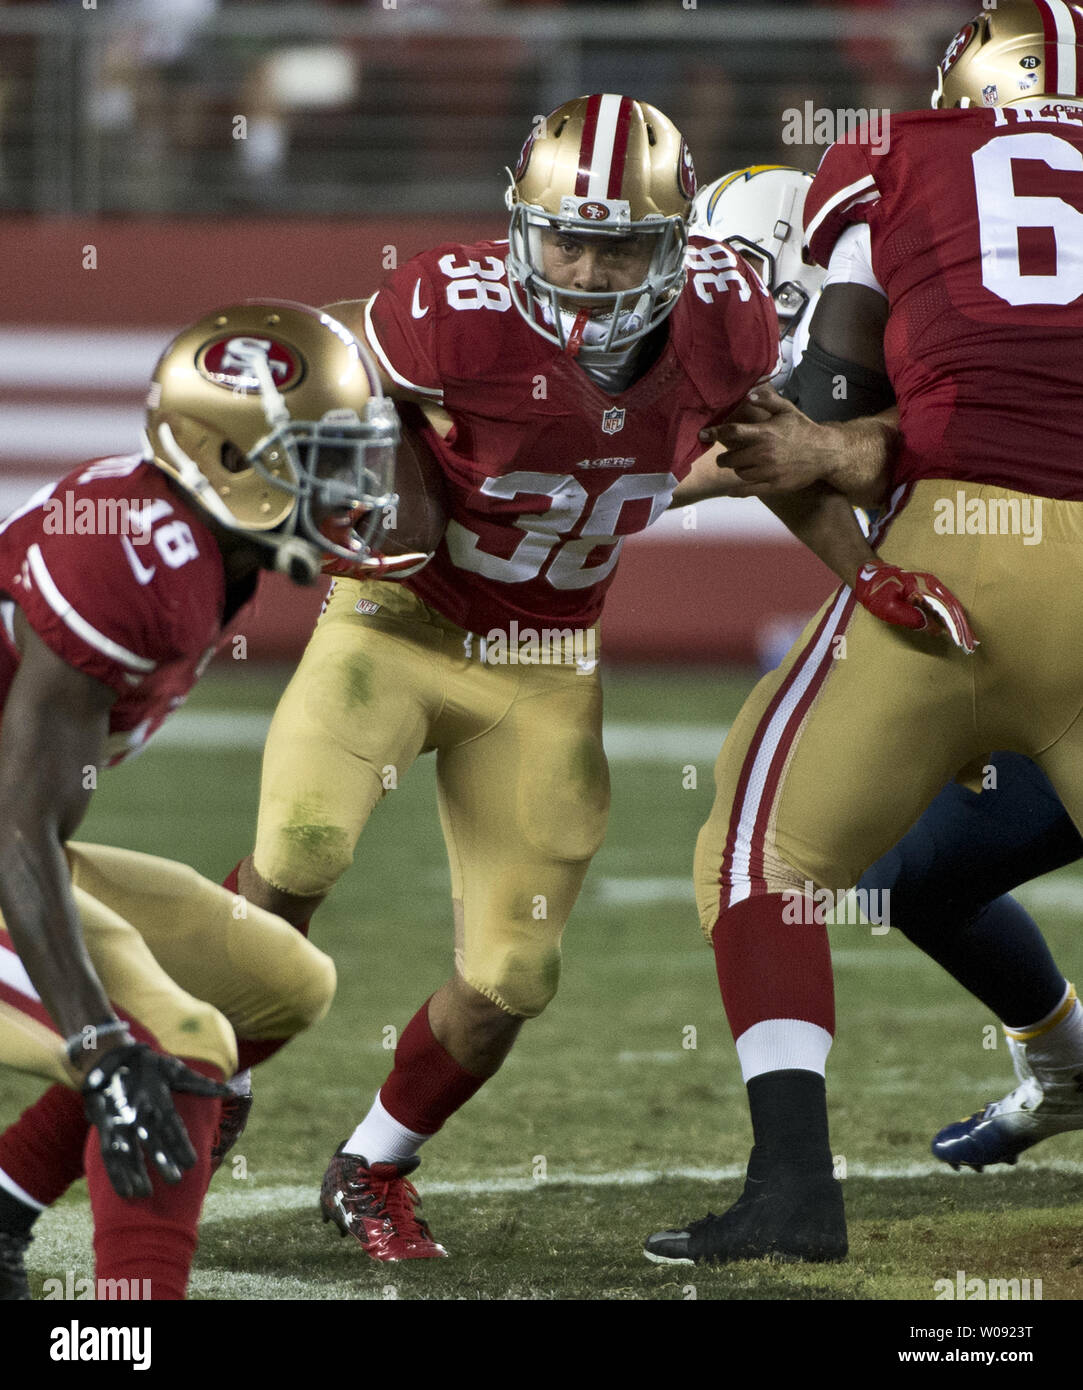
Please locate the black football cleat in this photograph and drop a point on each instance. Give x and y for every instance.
(783, 1217)
(14, 1285)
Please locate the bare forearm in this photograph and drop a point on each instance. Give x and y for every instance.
(55, 724)
(42, 919)
(823, 520)
(858, 457)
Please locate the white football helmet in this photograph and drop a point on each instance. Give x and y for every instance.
(608, 168)
(758, 212)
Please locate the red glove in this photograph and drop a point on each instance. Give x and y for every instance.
(376, 566)
(367, 566)
(906, 598)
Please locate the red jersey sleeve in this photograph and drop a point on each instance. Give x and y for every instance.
(116, 606)
(401, 328)
(734, 345)
(842, 193)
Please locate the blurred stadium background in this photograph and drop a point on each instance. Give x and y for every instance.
(161, 156)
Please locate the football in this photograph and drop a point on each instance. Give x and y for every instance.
(417, 523)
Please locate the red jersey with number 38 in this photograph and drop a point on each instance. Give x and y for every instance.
(976, 223)
(122, 581)
(546, 472)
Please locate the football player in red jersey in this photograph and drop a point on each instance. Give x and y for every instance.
(566, 375)
(130, 981)
(974, 237)
(948, 880)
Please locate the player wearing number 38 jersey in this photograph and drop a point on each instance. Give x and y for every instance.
(566, 375)
(549, 466)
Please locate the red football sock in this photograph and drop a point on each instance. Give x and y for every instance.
(249, 1052)
(769, 967)
(155, 1238)
(426, 1085)
(43, 1150)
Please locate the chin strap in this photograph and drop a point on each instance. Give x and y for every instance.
(191, 477)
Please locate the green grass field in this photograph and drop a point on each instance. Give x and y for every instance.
(604, 1123)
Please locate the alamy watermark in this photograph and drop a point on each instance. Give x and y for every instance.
(972, 1289)
(807, 907)
(820, 125)
(989, 516)
(73, 1342)
(529, 646)
(72, 1288)
(70, 514)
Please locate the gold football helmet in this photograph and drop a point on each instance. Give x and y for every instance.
(608, 168)
(271, 415)
(1018, 50)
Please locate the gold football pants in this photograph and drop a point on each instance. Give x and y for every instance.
(191, 961)
(837, 753)
(522, 778)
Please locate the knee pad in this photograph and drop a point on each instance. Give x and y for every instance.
(304, 857)
(522, 982)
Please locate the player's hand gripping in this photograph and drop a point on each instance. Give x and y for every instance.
(772, 446)
(909, 598)
(128, 1101)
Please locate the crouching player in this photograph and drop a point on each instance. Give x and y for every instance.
(128, 980)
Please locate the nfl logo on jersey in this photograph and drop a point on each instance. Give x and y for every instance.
(613, 420)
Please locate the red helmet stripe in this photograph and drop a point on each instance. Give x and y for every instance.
(1063, 34)
(1049, 27)
(1077, 21)
(620, 148)
(586, 146)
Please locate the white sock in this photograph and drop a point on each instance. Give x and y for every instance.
(783, 1044)
(1055, 1043)
(380, 1138)
(241, 1084)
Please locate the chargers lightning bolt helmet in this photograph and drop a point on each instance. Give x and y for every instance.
(758, 211)
(602, 166)
(271, 415)
(1018, 50)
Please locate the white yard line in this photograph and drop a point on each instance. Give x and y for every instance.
(239, 1200)
(624, 742)
(62, 1238)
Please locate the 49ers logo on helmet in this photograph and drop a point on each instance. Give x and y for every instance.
(957, 46)
(686, 173)
(524, 157)
(593, 212)
(228, 361)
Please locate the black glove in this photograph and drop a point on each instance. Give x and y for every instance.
(127, 1100)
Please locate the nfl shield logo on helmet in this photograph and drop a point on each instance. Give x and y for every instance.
(989, 95)
(613, 420)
